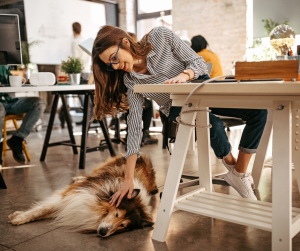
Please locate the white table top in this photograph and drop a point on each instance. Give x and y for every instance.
(228, 88)
(48, 88)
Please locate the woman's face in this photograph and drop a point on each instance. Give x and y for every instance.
(125, 57)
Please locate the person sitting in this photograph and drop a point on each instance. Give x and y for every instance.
(199, 45)
(32, 106)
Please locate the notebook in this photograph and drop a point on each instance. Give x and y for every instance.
(87, 46)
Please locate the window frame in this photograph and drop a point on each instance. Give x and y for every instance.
(143, 16)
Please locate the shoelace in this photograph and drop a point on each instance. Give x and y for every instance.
(247, 182)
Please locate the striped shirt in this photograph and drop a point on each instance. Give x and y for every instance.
(168, 59)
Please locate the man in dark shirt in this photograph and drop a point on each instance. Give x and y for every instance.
(32, 106)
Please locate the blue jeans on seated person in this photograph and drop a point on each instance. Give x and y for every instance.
(255, 123)
(32, 106)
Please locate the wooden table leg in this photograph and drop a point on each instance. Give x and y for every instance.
(281, 178)
(260, 157)
(49, 127)
(173, 177)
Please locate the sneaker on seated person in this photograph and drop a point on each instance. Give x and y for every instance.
(231, 167)
(241, 183)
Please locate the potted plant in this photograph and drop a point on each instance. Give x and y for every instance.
(73, 66)
(26, 56)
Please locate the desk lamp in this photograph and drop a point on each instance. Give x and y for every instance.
(282, 38)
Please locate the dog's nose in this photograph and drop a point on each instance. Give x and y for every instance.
(102, 231)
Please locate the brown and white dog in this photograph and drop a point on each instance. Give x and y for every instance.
(84, 205)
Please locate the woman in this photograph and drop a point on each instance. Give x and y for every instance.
(199, 45)
(119, 63)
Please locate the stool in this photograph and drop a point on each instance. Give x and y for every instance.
(14, 118)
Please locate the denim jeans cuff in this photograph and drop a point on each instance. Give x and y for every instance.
(246, 150)
(226, 154)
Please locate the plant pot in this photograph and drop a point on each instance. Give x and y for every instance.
(74, 79)
(27, 73)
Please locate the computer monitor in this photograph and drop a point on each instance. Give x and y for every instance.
(10, 43)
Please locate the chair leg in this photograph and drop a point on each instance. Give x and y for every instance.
(26, 151)
(23, 143)
(4, 141)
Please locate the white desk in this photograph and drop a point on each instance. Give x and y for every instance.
(48, 88)
(279, 218)
(59, 91)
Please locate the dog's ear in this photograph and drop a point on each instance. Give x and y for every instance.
(135, 193)
(147, 223)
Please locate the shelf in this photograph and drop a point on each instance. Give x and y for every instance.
(231, 208)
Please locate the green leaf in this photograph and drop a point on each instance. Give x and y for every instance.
(72, 65)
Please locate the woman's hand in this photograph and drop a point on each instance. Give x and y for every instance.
(181, 78)
(126, 188)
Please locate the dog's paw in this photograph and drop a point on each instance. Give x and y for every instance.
(78, 179)
(13, 215)
(19, 219)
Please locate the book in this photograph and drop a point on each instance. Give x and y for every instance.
(87, 46)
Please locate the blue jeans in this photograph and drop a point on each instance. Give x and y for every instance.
(32, 106)
(255, 125)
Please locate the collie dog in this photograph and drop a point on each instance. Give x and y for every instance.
(84, 205)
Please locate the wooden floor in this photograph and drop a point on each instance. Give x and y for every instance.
(27, 184)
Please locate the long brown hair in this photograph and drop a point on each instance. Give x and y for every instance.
(110, 91)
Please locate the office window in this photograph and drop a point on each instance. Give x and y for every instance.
(146, 6)
(150, 14)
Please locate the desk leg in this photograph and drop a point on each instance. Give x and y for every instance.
(173, 177)
(85, 123)
(282, 178)
(296, 143)
(107, 139)
(103, 126)
(260, 157)
(203, 148)
(49, 127)
(69, 124)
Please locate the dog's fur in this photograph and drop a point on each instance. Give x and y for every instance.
(84, 205)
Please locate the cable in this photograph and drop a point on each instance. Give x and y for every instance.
(178, 119)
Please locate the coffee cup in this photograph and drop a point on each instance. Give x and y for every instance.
(16, 81)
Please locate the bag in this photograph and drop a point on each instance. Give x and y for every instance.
(169, 127)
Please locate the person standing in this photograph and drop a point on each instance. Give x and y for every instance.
(77, 52)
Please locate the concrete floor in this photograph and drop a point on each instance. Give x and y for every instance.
(187, 231)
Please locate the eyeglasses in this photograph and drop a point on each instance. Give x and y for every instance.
(113, 60)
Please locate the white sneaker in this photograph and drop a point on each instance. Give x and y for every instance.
(241, 183)
(231, 167)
